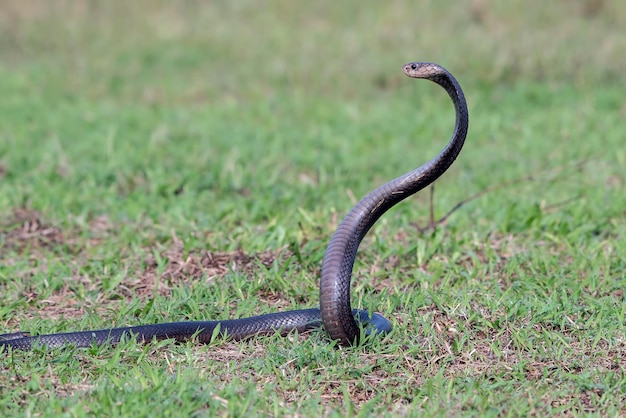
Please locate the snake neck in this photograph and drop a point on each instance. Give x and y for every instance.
(339, 258)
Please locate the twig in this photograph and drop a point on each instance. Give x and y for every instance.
(433, 224)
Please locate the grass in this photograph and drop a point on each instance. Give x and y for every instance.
(169, 160)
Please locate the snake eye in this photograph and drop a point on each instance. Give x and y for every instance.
(413, 66)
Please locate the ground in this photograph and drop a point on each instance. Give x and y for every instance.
(164, 161)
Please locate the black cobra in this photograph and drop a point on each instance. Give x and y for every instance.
(335, 313)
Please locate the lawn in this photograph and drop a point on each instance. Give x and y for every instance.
(165, 161)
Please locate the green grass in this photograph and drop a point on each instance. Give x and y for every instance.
(137, 141)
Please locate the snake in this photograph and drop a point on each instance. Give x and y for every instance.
(343, 324)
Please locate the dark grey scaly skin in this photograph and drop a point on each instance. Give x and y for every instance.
(341, 252)
(235, 329)
(339, 320)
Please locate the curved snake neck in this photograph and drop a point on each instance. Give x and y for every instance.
(341, 252)
(335, 312)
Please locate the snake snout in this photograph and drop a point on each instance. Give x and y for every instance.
(413, 69)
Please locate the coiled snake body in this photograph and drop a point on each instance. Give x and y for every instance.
(335, 313)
